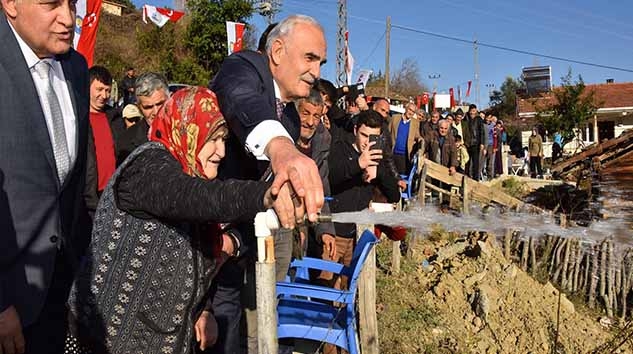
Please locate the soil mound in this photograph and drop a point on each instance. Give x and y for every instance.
(460, 295)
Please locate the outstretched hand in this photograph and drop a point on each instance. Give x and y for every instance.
(300, 176)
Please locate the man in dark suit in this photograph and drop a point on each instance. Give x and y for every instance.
(255, 92)
(43, 131)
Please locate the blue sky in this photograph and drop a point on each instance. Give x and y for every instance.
(599, 32)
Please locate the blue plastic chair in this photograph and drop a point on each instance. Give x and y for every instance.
(408, 193)
(300, 316)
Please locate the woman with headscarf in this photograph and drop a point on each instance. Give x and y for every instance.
(156, 242)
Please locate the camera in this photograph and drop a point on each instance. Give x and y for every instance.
(350, 92)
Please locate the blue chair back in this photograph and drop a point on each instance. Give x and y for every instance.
(408, 193)
(365, 242)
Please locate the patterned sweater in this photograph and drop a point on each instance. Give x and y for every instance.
(142, 284)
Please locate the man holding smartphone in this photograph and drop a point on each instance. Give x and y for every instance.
(354, 170)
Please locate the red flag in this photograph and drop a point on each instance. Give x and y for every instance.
(425, 98)
(160, 15)
(418, 101)
(234, 36)
(88, 33)
(468, 90)
(451, 93)
(172, 15)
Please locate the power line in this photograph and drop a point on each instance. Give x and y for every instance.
(511, 49)
(373, 50)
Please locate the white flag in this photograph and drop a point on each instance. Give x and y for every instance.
(363, 76)
(150, 11)
(349, 60)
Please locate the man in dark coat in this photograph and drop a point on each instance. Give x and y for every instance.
(43, 132)
(255, 93)
(474, 138)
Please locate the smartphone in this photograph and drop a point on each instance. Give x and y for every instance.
(378, 140)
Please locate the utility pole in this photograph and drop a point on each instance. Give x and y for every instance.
(341, 52)
(434, 77)
(387, 49)
(476, 52)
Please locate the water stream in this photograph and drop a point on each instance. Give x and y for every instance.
(423, 219)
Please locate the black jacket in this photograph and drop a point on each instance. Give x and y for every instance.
(473, 130)
(349, 191)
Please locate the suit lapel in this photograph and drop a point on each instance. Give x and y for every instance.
(20, 78)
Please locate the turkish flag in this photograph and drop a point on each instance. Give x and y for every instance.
(425, 98)
(234, 36)
(160, 15)
(86, 23)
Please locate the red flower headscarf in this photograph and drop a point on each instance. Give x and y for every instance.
(187, 120)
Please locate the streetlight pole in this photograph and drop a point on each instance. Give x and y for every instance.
(491, 88)
(433, 77)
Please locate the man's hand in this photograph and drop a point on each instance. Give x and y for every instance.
(329, 245)
(369, 157)
(402, 184)
(293, 167)
(289, 208)
(451, 170)
(370, 173)
(206, 330)
(11, 338)
(361, 103)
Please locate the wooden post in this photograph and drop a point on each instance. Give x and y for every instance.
(367, 300)
(395, 252)
(422, 189)
(507, 239)
(387, 45)
(266, 296)
(466, 197)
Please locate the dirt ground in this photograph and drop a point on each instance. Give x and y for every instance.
(457, 295)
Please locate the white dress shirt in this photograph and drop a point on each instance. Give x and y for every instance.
(264, 132)
(61, 89)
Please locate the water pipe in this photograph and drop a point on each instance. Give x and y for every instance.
(265, 223)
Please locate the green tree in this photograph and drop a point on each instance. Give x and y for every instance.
(572, 105)
(206, 34)
(504, 101)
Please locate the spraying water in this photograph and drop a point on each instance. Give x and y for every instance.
(423, 219)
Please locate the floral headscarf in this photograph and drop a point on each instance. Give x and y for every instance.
(187, 120)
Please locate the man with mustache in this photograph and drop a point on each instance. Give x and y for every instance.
(255, 92)
(43, 139)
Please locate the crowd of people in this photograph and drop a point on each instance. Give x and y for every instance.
(128, 228)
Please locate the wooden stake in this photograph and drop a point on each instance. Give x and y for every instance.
(534, 263)
(367, 300)
(507, 238)
(524, 254)
(593, 281)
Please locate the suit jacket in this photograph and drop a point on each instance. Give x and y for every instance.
(446, 155)
(246, 94)
(38, 216)
(414, 133)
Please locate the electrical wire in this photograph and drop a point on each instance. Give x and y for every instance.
(378, 42)
(482, 44)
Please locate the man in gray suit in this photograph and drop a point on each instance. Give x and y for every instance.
(43, 131)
